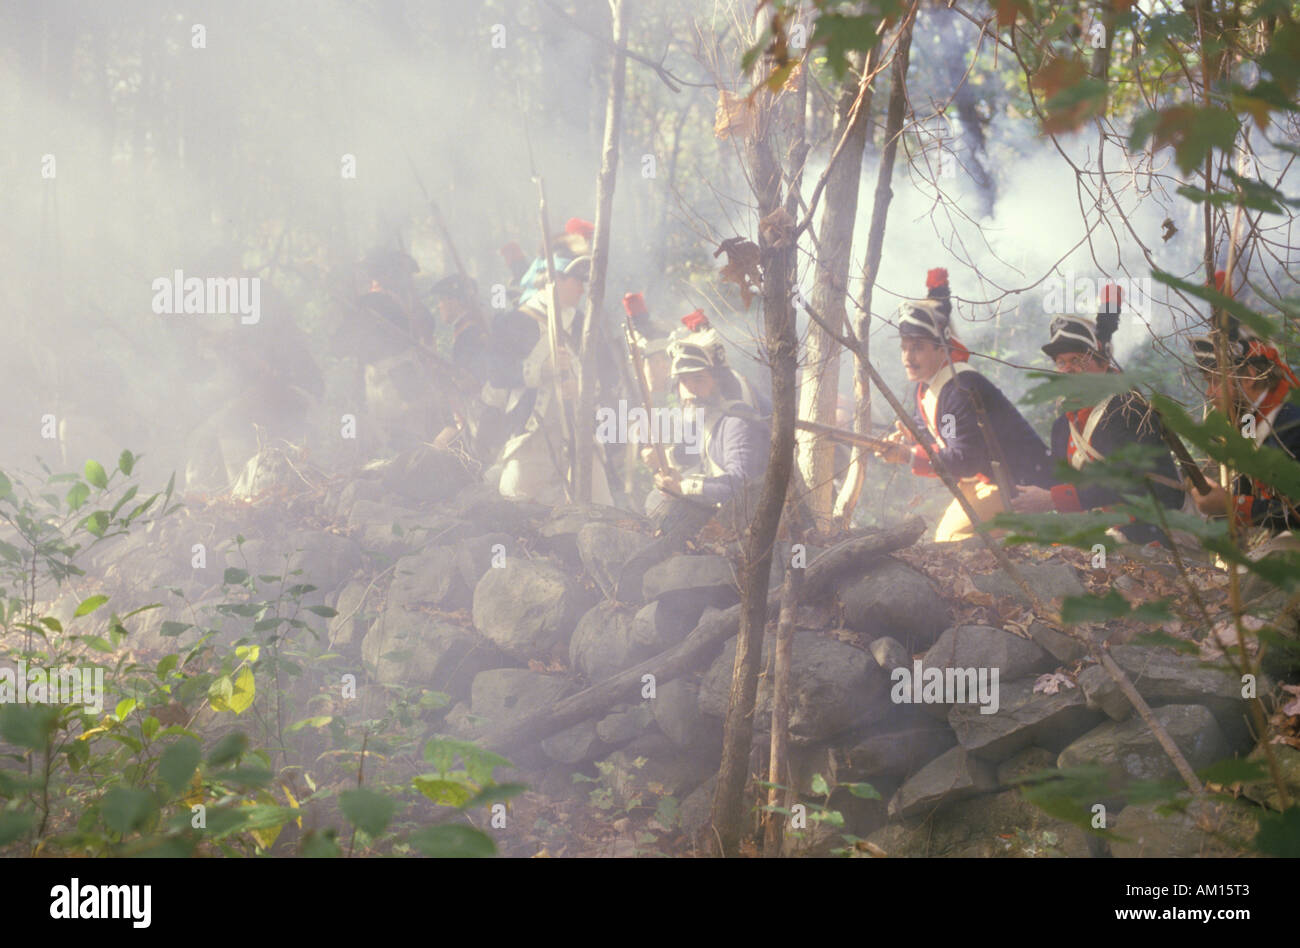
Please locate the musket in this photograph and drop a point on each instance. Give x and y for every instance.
(437, 219)
(552, 314)
(638, 369)
(1171, 440)
(845, 436)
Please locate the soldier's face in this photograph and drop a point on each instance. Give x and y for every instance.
(922, 358)
(699, 386)
(568, 290)
(1072, 363)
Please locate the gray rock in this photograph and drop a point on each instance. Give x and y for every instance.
(952, 776)
(353, 617)
(623, 726)
(894, 599)
(476, 555)
(505, 695)
(426, 475)
(1129, 749)
(528, 608)
(1050, 581)
(707, 579)
(482, 505)
(1001, 825)
(602, 644)
(1103, 694)
(1023, 763)
(696, 810)
(1163, 676)
(833, 686)
(1064, 648)
(889, 653)
(558, 534)
(574, 745)
(657, 627)
(895, 753)
(676, 708)
(414, 649)
(603, 548)
(428, 578)
(666, 765)
(1022, 718)
(981, 646)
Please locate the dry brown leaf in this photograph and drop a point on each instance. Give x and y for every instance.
(777, 229)
(742, 266)
(734, 116)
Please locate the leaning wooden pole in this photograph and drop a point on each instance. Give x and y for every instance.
(847, 501)
(584, 418)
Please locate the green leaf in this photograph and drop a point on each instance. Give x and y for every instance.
(1279, 833)
(320, 844)
(171, 629)
(864, 790)
(14, 825)
(453, 841)
(98, 643)
(124, 500)
(367, 810)
(1093, 608)
(246, 777)
(234, 577)
(77, 496)
(227, 749)
(819, 785)
(124, 809)
(319, 720)
(496, 793)
(89, 605)
(442, 791)
(177, 764)
(323, 611)
(125, 462)
(28, 725)
(124, 707)
(1232, 771)
(96, 523)
(237, 695)
(95, 474)
(1159, 638)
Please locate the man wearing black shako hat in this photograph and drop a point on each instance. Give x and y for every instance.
(1088, 435)
(951, 400)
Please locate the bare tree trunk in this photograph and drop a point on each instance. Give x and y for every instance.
(819, 389)
(777, 251)
(585, 413)
(778, 771)
(852, 487)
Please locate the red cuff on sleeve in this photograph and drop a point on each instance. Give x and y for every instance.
(1244, 504)
(921, 463)
(1066, 499)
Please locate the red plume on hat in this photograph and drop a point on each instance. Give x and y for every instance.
(576, 225)
(936, 285)
(695, 321)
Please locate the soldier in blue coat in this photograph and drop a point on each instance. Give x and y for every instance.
(1087, 435)
(971, 425)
